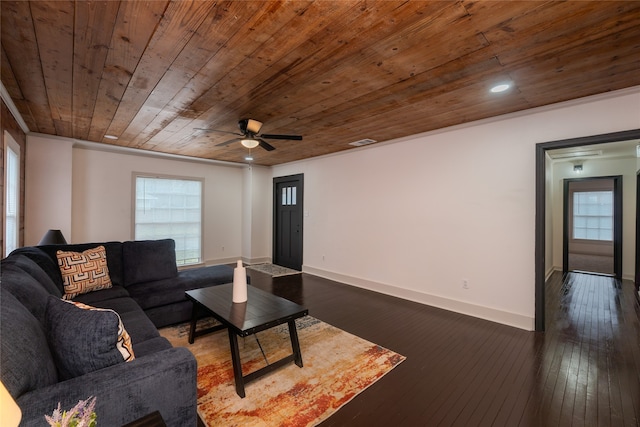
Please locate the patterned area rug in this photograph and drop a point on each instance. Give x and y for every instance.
(337, 367)
(273, 269)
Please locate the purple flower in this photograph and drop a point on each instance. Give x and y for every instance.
(81, 415)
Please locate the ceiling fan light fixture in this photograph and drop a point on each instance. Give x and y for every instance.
(250, 142)
(577, 167)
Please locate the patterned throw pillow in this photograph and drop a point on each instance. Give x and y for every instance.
(83, 272)
(84, 339)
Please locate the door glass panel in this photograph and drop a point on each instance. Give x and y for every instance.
(293, 195)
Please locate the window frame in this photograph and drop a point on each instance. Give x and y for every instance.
(10, 144)
(136, 175)
(574, 215)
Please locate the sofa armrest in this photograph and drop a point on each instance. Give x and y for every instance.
(164, 381)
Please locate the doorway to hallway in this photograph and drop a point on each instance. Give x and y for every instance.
(592, 225)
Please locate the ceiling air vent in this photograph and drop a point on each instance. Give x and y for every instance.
(362, 142)
(576, 154)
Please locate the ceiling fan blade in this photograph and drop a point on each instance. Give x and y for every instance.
(276, 136)
(231, 141)
(266, 145)
(220, 131)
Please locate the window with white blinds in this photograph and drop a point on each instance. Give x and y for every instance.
(169, 207)
(12, 194)
(593, 215)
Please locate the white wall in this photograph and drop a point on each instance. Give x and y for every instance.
(417, 217)
(48, 178)
(90, 193)
(411, 218)
(257, 214)
(596, 168)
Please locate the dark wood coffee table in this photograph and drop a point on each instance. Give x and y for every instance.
(261, 311)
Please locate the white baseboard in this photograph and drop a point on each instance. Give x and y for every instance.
(261, 260)
(233, 260)
(499, 316)
(550, 272)
(219, 261)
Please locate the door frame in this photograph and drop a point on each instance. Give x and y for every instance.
(637, 275)
(617, 222)
(540, 225)
(300, 196)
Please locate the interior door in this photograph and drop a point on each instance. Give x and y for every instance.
(288, 220)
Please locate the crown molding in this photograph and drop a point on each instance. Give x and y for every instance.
(13, 109)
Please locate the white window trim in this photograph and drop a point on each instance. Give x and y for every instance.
(607, 242)
(10, 144)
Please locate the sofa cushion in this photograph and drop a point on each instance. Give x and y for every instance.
(32, 268)
(48, 263)
(148, 260)
(202, 277)
(157, 293)
(135, 320)
(25, 360)
(153, 345)
(84, 339)
(83, 272)
(29, 292)
(139, 326)
(96, 297)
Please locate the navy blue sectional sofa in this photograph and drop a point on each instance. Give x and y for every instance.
(147, 292)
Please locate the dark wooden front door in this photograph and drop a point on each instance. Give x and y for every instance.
(287, 221)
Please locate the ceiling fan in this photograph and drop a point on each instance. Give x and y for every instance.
(250, 137)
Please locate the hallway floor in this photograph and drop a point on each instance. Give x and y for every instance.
(464, 371)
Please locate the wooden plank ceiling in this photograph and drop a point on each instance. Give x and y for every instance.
(151, 72)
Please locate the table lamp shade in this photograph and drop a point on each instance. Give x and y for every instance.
(53, 237)
(9, 409)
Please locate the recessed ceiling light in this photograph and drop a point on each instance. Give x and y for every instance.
(110, 137)
(500, 88)
(362, 142)
(248, 158)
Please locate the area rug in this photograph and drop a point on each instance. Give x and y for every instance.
(273, 269)
(337, 367)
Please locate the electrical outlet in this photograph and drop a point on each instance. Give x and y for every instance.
(465, 283)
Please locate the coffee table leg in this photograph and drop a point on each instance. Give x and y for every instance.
(295, 344)
(194, 320)
(237, 366)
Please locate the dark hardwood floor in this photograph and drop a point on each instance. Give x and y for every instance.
(464, 371)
